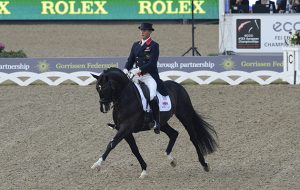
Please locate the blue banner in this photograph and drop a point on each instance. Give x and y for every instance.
(186, 64)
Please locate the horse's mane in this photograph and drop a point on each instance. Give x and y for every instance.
(115, 70)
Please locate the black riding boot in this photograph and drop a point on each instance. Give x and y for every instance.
(155, 109)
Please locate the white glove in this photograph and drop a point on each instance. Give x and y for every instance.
(135, 71)
(125, 71)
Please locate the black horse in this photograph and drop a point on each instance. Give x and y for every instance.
(115, 87)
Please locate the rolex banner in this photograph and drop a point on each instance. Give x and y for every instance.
(107, 9)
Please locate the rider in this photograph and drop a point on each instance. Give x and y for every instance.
(142, 62)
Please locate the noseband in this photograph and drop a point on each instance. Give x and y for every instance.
(108, 98)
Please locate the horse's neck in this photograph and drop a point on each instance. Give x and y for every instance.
(121, 86)
(127, 101)
(120, 78)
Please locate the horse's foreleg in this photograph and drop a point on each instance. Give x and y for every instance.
(121, 134)
(172, 134)
(135, 150)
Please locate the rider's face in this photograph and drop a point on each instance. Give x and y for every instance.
(145, 34)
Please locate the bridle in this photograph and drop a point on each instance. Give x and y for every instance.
(105, 101)
(111, 95)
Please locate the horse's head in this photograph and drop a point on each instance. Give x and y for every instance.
(109, 85)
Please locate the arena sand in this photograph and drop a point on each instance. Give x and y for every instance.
(50, 136)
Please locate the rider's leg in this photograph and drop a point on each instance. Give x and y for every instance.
(155, 109)
(150, 82)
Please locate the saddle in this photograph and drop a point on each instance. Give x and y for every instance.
(144, 98)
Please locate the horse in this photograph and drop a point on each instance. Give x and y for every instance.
(115, 87)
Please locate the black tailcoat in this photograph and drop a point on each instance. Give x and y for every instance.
(145, 57)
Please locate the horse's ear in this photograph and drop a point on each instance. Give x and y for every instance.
(95, 76)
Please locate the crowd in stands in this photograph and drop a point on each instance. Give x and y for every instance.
(265, 6)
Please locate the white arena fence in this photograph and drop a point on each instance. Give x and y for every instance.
(84, 78)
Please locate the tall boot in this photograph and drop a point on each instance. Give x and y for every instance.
(155, 109)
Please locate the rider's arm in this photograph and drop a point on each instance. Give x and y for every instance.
(131, 58)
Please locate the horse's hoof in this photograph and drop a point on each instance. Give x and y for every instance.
(111, 125)
(173, 163)
(144, 174)
(206, 168)
(96, 166)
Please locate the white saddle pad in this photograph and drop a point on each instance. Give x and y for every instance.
(164, 101)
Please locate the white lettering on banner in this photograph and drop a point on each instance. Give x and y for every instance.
(192, 65)
(168, 65)
(206, 64)
(15, 67)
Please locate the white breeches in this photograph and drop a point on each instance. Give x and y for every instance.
(149, 81)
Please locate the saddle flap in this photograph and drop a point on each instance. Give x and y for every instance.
(164, 101)
(145, 90)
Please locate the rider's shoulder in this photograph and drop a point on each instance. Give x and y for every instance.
(136, 43)
(153, 42)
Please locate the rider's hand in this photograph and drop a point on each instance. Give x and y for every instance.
(135, 71)
(125, 71)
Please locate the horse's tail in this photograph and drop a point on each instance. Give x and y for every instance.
(199, 130)
(204, 133)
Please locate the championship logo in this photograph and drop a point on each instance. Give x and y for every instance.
(248, 34)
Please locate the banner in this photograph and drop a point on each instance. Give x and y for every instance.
(186, 64)
(107, 9)
(256, 33)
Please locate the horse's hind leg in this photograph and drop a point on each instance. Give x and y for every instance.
(172, 134)
(201, 157)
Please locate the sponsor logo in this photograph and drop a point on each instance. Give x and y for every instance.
(42, 66)
(286, 26)
(228, 64)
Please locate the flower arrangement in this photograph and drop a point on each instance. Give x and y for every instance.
(2, 46)
(10, 54)
(295, 38)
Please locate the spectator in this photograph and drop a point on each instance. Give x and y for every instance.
(239, 2)
(281, 6)
(295, 5)
(239, 6)
(266, 2)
